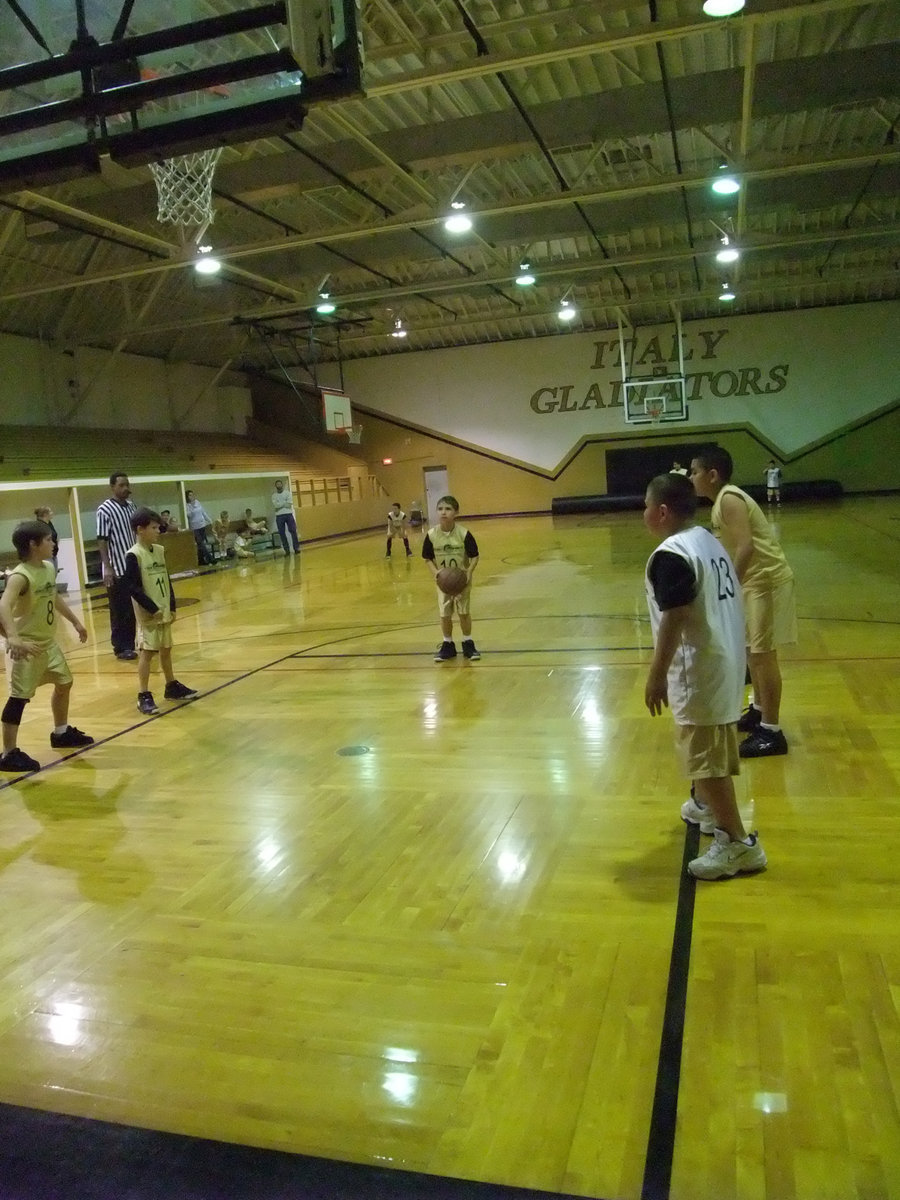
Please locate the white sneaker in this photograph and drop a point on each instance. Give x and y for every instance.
(696, 814)
(725, 858)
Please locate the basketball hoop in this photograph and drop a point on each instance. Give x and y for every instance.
(655, 410)
(354, 434)
(184, 188)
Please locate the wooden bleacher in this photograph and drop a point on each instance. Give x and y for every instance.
(42, 452)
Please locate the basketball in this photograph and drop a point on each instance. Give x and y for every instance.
(452, 580)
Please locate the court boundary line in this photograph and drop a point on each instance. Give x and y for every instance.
(663, 1117)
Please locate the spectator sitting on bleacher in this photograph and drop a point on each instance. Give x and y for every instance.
(168, 523)
(242, 541)
(254, 526)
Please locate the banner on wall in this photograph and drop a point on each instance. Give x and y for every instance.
(794, 378)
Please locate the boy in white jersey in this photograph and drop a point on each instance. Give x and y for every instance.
(773, 482)
(28, 610)
(449, 544)
(697, 670)
(147, 579)
(767, 583)
(396, 527)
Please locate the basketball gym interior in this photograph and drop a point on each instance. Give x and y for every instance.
(359, 923)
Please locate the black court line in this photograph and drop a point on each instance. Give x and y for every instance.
(661, 1138)
(495, 654)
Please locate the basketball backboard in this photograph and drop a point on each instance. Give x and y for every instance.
(336, 410)
(80, 79)
(655, 399)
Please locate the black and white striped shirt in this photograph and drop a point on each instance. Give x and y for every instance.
(114, 525)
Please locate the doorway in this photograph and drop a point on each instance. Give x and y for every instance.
(436, 485)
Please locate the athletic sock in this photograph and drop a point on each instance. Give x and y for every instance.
(61, 728)
(771, 728)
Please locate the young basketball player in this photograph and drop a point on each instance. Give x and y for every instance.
(773, 482)
(449, 544)
(396, 527)
(767, 583)
(698, 669)
(28, 610)
(147, 579)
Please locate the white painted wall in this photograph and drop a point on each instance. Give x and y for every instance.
(46, 385)
(794, 377)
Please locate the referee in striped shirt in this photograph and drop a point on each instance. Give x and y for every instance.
(116, 537)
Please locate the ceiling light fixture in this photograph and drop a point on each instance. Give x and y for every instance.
(728, 253)
(326, 305)
(567, 311)
(207, 264)
(725, 184)
(727, 293)
(458, 222)
(525, 277)
(722, 8)
(398, 331)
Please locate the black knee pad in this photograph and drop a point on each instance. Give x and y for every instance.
(12, 711)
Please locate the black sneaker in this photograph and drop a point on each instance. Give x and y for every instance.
(749, 719)
(70, 739)
(126, 655)
(470, 650)
(18, 760)
(764, 743)
(445, 651)
(179, 691)
(146, 704)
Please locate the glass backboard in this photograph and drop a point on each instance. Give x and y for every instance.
(140, 81)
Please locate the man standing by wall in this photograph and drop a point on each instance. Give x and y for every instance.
(284, 516)
(115, 536)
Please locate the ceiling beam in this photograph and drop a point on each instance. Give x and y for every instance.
(746, 117)
(567, 51)
(232, 255)
(562, 271)
(846, 282)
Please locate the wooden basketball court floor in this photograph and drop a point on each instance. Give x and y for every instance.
(432, 918)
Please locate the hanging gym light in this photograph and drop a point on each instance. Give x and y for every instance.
(728, 253)
(525, 277)
(725, 184)
(207, 263)
(457, 221)
(722, 8)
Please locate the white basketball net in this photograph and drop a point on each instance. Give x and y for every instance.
(184, 186)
